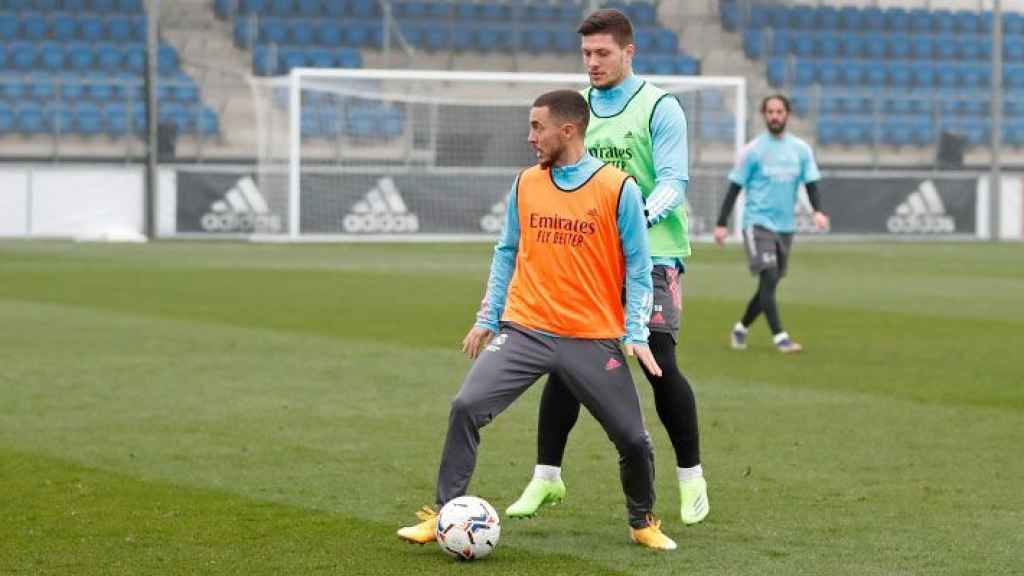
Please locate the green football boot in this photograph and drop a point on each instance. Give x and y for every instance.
(537, 493)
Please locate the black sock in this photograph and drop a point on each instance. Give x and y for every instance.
(766, 294)
(674, 400)
(559, 410)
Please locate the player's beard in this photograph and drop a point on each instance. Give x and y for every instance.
(777, 128)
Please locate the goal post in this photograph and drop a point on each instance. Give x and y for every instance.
(429, 155)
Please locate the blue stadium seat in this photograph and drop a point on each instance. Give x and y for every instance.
(851, 18)
(364, 8)
(830, 105)
(779, 18)
(51, 56)
(686, 65)
(776, 72)
(8, 27)
(185, 89)
(115, 119)
(945, 47)
(874, 19)
(328, 33)
(967, 22)
(350, 58)
(1013, 131)
(877, 47)
(760, 17)
(119, 29)
(282, 8)
(363, 34)
(494, 37)
(336, 8)
(75, 6)
(897, 20)
(828, 132)
(974, 106)
(79, 56)
(28, 118)
(876, 74)
(1013, 76)
(923, 74)
(102, 6)
(804, 72)
(666, 40)
(308, 8)
(62, 28)
(900, 74)
(34, 27)
(642, 13)
(22, 56)
(42, 88)
(897, 131)
(91, 29)
(852, 46)
(129, 6)
(264, 60)
(45, 5)
(167, 59)
(463, 38)
(436, 38)
(88, 120)
(129, 87)
(466, 12)
(804, 18)
(828, 18)
(134, 59)
(781, 44)
(273, 31)
(947, 76)
(100, 88)
(921, 47)
(968, 48)
(752, 44)
(321, 58)
(536, 40)
(109, 58)
(975, 76)
(803, 45)
(6, 118)
(253, 6)
(1013, 24)
(71, 88)
(801, 102)
(944, 22)
(899, 47)
(827, 46)
(920, 21)
(291, 58)
(1013, 49)
(13, 87)
(439, 10)
(206, 122)
(829, 72)
(302, 33)
(59, 118)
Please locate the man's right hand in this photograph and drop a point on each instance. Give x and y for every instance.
(721, 233)
(475, 341)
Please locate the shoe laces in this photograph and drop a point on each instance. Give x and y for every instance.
(653, 523)
(426, 513)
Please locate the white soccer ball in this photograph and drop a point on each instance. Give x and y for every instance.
(468, 528)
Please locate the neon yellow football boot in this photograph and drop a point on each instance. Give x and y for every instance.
(537, 493)
(425, 531)
(651, 536)
(693, 500)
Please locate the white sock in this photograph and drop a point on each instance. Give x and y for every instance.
(780, 337)
(739, 327)
(549, 473)
(690, 473)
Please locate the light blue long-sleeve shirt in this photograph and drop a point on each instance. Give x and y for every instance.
(632, 236)
(671, 155)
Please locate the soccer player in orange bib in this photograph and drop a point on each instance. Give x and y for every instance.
(574, 238)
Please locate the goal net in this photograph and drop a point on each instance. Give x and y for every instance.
(431, 155)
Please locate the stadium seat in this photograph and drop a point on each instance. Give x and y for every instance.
(88, 120)
(923, 74)
(336, 9)
(58, 118)
(308, 8)
(135, 59)
(91, 29)
(897, 20)
(876, 74)
(945, 47)
(75, 6)
(760, 17)
(102, 6)
(28, 118)
(781, 42)
(829, 72)
(167, 59)
(22, 56)
(921, 47)
(463, 38)
(828, 18)
(943, 22)
(302, 33)
(6, 118)
(967, 22)
(852, 46)
(874, 19)
(71, 88)
(282, 8)
(51, 56)
(804, 72)
(920, 21)
(436, 38)
(899, 47)
(328, 33)
(877, 47)
(900, 74)
(62, 28)
(79, 56)
(108, 57)
(666, 40)
(827, 46)
(273, 31)
(1013, 24)
(42, 87)
(803, 45)
(776, 72)
(129, 6)
(752, 44)
(34, 27)
(364, 8)
(206, 123)
(851, 18)
(8, 27)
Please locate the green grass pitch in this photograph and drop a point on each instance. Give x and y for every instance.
(208, 408)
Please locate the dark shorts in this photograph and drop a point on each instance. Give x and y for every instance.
(668, 300)
(767, 250)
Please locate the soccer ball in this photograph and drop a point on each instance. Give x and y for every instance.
(468, 528)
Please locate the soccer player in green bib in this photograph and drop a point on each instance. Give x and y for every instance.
(641, 130)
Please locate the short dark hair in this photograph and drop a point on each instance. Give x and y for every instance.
(608, 21)
(779, 97)
(568, 105)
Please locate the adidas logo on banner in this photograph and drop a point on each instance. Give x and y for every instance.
(381, 210)
(805, 214)
(922, 213)
(493, 221)
(243, 209)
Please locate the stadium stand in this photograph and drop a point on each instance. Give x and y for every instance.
(76, 67)
(891, 76)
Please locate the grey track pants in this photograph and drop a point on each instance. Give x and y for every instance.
(595, 372)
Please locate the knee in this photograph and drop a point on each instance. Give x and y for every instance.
(637, 445)
(467, 410)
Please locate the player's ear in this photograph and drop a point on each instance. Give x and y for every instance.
(630, 51)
